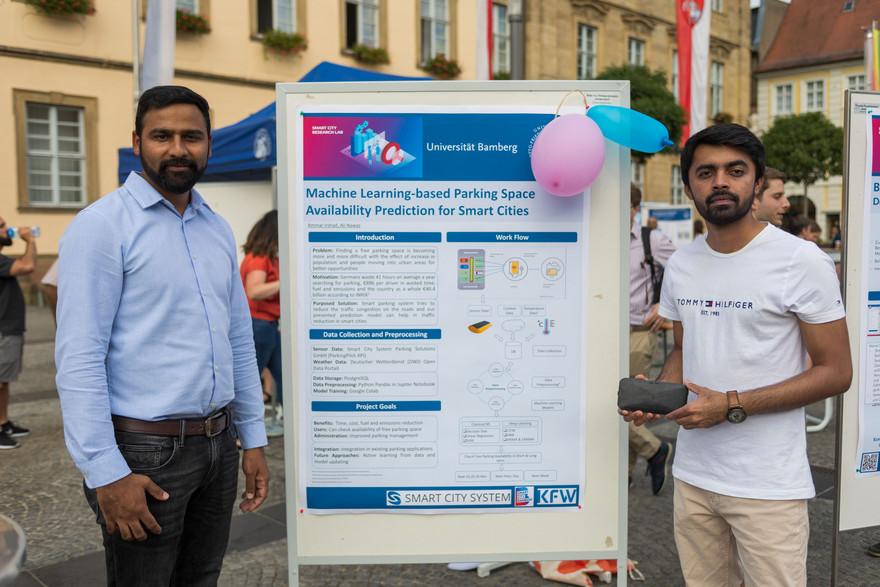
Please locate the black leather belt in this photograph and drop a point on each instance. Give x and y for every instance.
(209, 426)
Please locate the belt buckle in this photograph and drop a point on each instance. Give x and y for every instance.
(210, 429)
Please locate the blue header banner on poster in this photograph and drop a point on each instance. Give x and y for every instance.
(481, 147)
(671, 214)
(512, 237)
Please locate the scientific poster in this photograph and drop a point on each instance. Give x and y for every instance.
(869, 335)
(442, 322)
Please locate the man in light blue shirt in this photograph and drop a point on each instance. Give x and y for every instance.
(155, 357)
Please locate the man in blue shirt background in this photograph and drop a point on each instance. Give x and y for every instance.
(155, 358)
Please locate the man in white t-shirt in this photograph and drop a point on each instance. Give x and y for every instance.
(748, 302)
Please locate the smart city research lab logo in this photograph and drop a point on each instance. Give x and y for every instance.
(392, 498)
(372, 149)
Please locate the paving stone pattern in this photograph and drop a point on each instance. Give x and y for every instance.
(42, 491)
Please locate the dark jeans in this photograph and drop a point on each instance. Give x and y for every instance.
(200, 475)
(267, 341)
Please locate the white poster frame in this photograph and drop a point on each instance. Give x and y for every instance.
(599, 530)
(851, 493)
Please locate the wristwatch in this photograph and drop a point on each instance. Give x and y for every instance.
(735, 411)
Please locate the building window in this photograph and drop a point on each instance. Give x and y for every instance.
(784, 100)
(815, 95)
(435, 29)
(586, 52)
(674, 70)
(276, 15)
(191, 6)
(855, 82)
(55, 145)
(716, 88)
(361, 23)
(637, 173)
(717, 5)
(676, 194)
(636, 52)
(500, 39)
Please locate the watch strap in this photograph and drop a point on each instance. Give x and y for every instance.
(733, 400)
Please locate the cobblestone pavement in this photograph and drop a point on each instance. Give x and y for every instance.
(42, 491)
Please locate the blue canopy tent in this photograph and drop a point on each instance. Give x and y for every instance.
(245, 151)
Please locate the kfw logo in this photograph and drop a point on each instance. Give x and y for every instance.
(523, 496)
(556, 496)
(392, 498)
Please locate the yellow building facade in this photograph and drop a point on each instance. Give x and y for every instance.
(795, 76)
(67, 89)
(773, 91)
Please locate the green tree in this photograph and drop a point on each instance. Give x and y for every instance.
(806, 147)
(649, 95)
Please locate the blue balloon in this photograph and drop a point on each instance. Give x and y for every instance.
(630, 128)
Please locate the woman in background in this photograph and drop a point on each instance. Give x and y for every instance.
(259, 272)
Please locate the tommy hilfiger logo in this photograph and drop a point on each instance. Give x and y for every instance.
(715, 304)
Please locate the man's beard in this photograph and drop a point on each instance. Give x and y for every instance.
(174, 182)
(726, 214)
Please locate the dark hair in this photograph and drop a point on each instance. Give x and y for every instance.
(771, 173)
(800, 223)
(635, 196)
(262, 240)
(162, 96)
(730, 135)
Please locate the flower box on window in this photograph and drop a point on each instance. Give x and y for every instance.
(722, 118)
(62, 7)
(279, 42)
(442, 67)
(187, 22)
(371, 55)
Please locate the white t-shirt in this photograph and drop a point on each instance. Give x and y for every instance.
(739, 314)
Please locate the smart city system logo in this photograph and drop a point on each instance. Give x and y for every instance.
(392, 498)
(523, 496)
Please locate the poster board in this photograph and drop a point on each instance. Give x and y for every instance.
(596, 527)
(852, 492)
(674, 221)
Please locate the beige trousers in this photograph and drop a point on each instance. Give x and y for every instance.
(728, 541)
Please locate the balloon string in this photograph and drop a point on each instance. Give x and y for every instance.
(586, 107)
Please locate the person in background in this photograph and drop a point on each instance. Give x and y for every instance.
(644, 323)
(698, 228)
(49, 283)
(805, 228)
(155, 355)
(770, 204)
(12, 317)
(835, 236)
(259, 273)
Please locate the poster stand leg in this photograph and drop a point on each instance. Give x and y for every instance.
(818, 424)
(484, 569)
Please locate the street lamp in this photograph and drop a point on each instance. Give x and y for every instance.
(515, 12)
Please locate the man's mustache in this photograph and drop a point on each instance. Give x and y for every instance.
(175, 162)
(719, 193)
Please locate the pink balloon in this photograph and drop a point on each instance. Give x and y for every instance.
(568, 155)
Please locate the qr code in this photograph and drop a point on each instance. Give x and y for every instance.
(869, 462)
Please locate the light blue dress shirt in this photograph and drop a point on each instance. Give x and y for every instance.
(153, 324)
